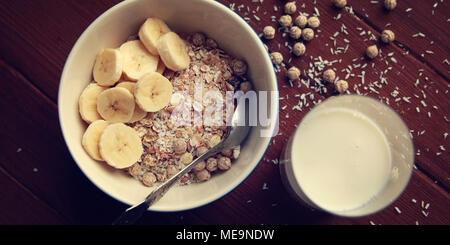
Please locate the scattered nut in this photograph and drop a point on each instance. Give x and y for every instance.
(295, 32)
(224, 163)
(285, 20)
(211, 43)
(239, 67)
(246, 86)
(372, 51)
(269, 32)
(308, 34)
(211, 164)
(293, 73)
(186, 158)
(290, 8)
(340, 3)
(200, 166)
(198, 39)
(387, 36)
(299, 49)
(148, 179)
(390, 4)
(329, 75)
(203, 175)
(301, 21)
(179, 146)
(313, 22)
(277, 58)
(341, 86)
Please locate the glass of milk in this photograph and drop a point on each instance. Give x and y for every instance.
(351, 156)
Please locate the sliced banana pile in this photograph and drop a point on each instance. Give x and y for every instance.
(128, 83)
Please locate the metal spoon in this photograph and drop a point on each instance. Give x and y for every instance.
(238, 132)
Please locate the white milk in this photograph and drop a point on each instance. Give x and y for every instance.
(341, 159)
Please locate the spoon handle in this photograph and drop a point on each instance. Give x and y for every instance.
(132, 214)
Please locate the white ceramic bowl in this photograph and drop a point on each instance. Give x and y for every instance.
(111, 29)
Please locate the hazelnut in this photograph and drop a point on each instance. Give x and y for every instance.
(387, 36)
(198, 39)
(203, 175)
(211, 164)
(246, 86)
(148, 179)
(372, 51)
(295, 32)
(277, 58)
(290, 8)
(308, 34)
(269, 32)
(224, 163)
(293, 73)
(340, 3)
(285, 20)
(135, 170)
(301, 21)
(390, 4)
(201, 150)
(179, 146)
(299, 49)
(313, 22)
(239, 67)
(199, 166)
(341, 86)
(186, 158)
(329, 75)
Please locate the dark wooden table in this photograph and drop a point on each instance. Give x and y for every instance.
(41, 184)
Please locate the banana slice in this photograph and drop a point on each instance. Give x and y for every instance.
(120, 146)
(138, 113)
(161, 67)
(91, 138)
(153, 92)
(108, 67)
(87, 103)
(150, 32)
(172, 50)
(137, 61)
(116, 105)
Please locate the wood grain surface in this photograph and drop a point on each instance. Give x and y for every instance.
(41, 184)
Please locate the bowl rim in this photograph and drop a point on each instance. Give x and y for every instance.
(274, 119)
